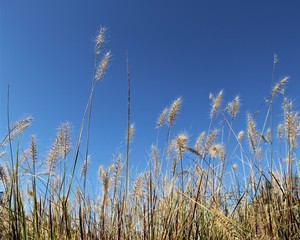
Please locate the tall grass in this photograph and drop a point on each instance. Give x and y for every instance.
(189, 191)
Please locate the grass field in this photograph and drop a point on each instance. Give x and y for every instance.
(188, 191)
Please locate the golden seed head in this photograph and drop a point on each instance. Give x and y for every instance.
(209, 142)
(174, 109)
(233, 107)
(161, 118)
(222, 153)
(102, 66)
(101, 172)
(214, 151)
(32, 149)
(131, 132)
(85, 166)
(234, 167)
(217, 150)
(241, 135)
(215, 103)
(258, 154)
(16, 129)
(279, 87)
(111, 167)
(291, 123)
(181, 141)
(156, 160)
(3, 175)
(100, 40)
(199, 141)
(252, 133)
(181, 144)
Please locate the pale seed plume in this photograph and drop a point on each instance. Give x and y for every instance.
(32, 149)
(233, 107)
(252, 133)
(174, 109)
(156, 161)
(131, 132)
(209, 142)
(181, 144)
(102, 66)
(234, 167)
(217, 150)
(241, 135)
(100, 40)
(291, 122)
(214, 150)
(162, 117)
(199, 142)
(138, 186)
(17, 128)
(84, 166)
(279, 87)
(215, 103)
(3, 175)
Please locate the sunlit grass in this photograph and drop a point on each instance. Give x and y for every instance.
(191, 189)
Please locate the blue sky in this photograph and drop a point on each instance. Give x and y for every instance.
(176, 48)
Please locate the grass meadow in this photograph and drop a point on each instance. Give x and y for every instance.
(189, 190)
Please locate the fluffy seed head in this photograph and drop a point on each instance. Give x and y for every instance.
(161, 118)
(181, 144)
(279, 87)
(214, 150)
(3, 175)
(241, 135)
(233, 107)
(291, 123)
(217, 150)
(32, 149)
(131, 132)
(174, 109)
(252, 133)
(199, 142)
(215, 103)
(102, 66)
(85, 166)
(100, 39)
(17, 128)
(209, 141)
(234, 167)
(60, 146)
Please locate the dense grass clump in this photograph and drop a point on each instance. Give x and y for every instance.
(188, 191)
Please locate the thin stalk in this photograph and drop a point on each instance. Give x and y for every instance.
(128, 128)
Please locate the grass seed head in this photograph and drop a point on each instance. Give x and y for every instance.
(161, 119)
(215, 103)
(279, 87)
(233, 107)
(174, 109)
(199, 142)
(100, 40)
(102, 66)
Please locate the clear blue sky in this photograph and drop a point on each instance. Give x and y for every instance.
(176, 48)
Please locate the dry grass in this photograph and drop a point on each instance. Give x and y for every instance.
(222, 186)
